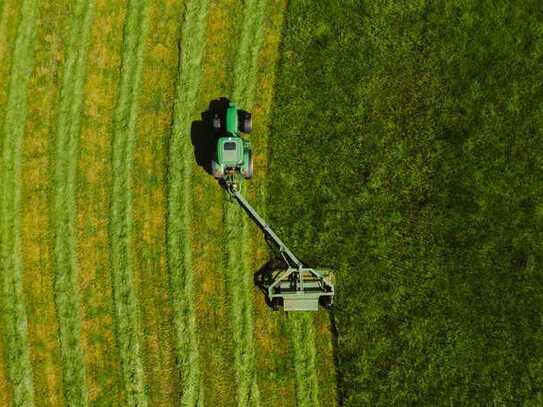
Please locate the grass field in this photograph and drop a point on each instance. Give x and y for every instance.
(126, 274)
(396, 142)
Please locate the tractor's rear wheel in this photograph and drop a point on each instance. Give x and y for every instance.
(216, 122)
(245, 121)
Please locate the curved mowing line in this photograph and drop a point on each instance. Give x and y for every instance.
(238, 261)
(124, 134)
(305, 356)
(180, 202)
(13, 309)
(64, 209)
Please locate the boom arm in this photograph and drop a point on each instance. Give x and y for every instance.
(287, 254)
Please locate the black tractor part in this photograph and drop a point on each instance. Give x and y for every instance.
(245, 121)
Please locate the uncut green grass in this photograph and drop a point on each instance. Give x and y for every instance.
(417, 130)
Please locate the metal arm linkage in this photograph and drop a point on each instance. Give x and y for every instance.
(287, 254)
(298, 288)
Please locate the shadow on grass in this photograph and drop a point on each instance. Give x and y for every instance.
(264, 277)
(203, 136)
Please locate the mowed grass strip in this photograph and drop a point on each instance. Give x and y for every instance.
(180, 201)
(101, 354)
(215, 339)
(238, 266)
(13, 301)
(276, 379)
(150, 156)
(128, 324)
(302, 333)
(64, 203)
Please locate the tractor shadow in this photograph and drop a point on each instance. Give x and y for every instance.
(203, 136)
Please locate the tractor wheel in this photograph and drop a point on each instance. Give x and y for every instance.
(216, 122)
(276, 303)
(245, 121)
(248, 173)
(326, 301)
(217, 170)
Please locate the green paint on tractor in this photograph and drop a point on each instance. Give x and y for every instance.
(233, 157)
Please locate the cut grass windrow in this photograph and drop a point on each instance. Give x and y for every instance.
(302, 335)
(13, 302)
(64, 207)
(238, 256)
(180, 202)
(122, 252)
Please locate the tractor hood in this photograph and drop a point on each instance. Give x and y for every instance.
(230, 151)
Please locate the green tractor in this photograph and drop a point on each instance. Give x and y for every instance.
(294, 286)
(233, 156)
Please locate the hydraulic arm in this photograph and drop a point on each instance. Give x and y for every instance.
(297, 288)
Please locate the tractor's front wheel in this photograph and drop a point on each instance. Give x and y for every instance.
(217, 170)
(247, 170)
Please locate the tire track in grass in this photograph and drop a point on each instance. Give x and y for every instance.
(14, 309)
(238, 256)
(180, 202)
(64, 204)
(128, 324)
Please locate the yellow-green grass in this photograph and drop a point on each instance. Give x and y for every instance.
(63, 222)
(100, 352)
(39, 276)
(8, 12)
(127, 311)
(13, 302)
(150, 161)
(9, 19)
(168, 311)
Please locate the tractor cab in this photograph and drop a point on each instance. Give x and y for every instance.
(230, 151)
(233, 154)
